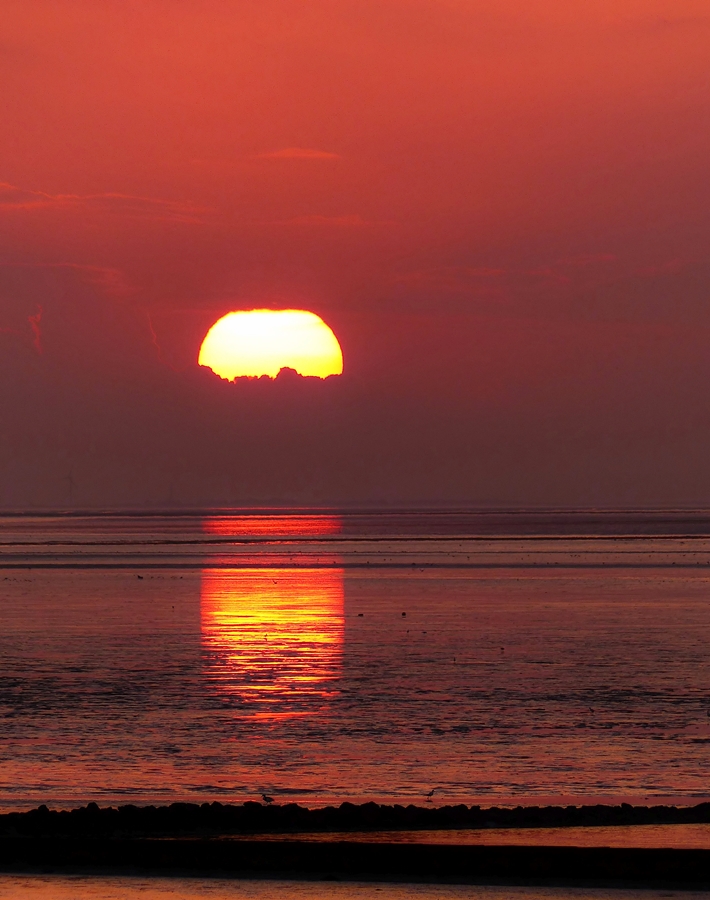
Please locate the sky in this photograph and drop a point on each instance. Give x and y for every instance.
(502, 210)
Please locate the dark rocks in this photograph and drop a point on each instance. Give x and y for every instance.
(211, 819)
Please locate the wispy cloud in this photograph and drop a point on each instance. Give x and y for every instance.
(298, 153)
(34, 323)
(665, 267)
(487, 280)
(661, 24)
(352, 221)
(110, 280)
(570, 268)
(586, 259)
(29, 330)
(13, 198)
(452, 279)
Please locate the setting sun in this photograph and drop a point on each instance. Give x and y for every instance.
(263, 341)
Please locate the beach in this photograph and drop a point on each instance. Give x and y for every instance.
(424, 698)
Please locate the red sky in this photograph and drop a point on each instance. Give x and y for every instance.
(501, 208)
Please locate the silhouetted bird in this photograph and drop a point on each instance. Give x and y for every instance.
(430, 794)
(267, 799)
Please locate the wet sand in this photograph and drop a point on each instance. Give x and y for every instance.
(352, 860)
(63, 887)
(688, 837)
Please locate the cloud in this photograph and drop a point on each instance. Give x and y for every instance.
(80, 317)
(486, 281)
(550, 273)
(662, 24)
(14, 198)
(34, 323)
(451, 279)
(27, 328)
(353, 221)
(666, 267)
(111, 281)
(567, 268)
(483, 289)
(587, 259)
(298, 153)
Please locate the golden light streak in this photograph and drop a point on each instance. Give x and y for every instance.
(273, 638)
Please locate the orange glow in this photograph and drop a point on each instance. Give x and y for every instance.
(264, 341)
(271, 526)
(273, 637)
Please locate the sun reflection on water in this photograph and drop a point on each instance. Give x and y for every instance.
(276, 526)
(273, 638)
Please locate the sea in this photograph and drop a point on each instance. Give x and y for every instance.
(492, 657)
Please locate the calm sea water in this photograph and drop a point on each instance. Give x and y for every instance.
(499, 658)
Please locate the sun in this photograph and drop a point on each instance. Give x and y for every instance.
(260, 342)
